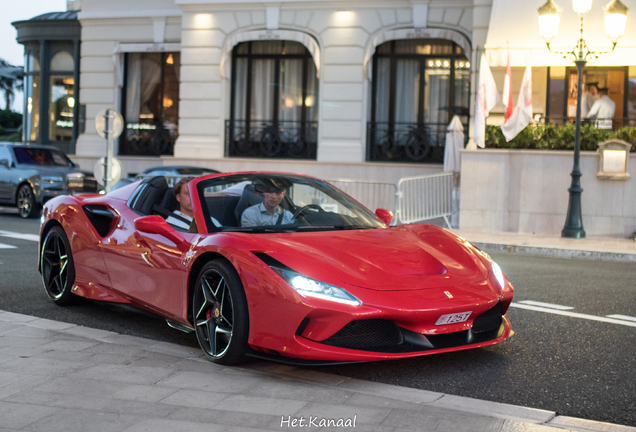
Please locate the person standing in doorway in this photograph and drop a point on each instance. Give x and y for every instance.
(588, 99)
(603, 110)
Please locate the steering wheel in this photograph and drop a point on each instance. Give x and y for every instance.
(307, 207)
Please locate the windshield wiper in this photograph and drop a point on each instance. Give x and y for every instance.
(255, 230)
(333, 227)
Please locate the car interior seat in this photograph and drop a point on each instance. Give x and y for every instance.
(151, 196)
(249, 198)
(170, 202)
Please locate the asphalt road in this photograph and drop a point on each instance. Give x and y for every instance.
(573, 365)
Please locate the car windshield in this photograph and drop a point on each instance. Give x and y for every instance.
(262, 203)
(41, 156)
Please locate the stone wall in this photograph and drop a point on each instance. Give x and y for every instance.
(526, 191)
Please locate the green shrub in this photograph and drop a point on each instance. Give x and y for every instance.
(556, 137)
(10, 119)
(3, 131)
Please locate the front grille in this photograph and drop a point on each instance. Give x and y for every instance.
(367, 335)
(489, 320)
(85, 184)
(381, 335)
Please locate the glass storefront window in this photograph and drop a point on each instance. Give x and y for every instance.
(151, 104)
(62, 101)
(418, 85)
(274, 101)
(32, 101)
(563, 93)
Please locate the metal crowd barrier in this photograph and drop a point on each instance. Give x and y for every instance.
(413, 199)
(425, 197)
(372, 195)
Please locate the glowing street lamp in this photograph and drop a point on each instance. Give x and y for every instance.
(549, 17)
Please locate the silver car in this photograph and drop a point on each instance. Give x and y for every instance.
(32, 174)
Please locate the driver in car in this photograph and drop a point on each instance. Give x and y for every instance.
(269, 212)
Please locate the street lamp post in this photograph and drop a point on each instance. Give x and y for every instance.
(549, 17)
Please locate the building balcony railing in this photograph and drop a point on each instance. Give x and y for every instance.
(141, 139)
(406, 142)
(271, 139)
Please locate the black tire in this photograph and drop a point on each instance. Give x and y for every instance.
(219, 313)
(57, 267)
(27, 207)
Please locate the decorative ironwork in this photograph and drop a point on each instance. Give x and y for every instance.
(157, 141)
(406, 142)
(271, 139)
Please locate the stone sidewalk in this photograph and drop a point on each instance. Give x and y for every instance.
(594, 247)
(58, 377)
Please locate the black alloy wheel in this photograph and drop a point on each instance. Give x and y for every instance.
(220, 314)
(27, 207)
(57, 267)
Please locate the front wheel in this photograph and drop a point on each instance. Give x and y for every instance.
(220, 314)
(58, 269)
(27, 207)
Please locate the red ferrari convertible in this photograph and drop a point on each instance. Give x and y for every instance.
(278, 266)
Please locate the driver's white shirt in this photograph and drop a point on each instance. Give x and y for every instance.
(178, 222)
(257, 215)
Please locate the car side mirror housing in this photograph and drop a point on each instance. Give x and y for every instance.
(384, 215)
(4, 163)
(157, 225)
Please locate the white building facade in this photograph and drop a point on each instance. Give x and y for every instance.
(350, 89)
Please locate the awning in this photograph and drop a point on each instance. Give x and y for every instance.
(515, 24)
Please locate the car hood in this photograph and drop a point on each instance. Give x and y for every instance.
(408, 257)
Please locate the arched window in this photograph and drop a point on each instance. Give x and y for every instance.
(61, 96)
(150, 103)
(274, 101)
(417, 86)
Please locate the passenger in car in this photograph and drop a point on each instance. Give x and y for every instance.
(185, 206)
(269, 212)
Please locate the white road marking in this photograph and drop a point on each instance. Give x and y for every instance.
(549, 305)
(623, 317)
(15, 235)
(6, 246)
(574, 314)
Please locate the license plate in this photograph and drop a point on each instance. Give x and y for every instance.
(453, 318)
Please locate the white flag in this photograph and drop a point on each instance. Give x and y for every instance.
(487, 98)
(522, 115)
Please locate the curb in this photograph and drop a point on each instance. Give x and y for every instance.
(514, 413)
(555, 252)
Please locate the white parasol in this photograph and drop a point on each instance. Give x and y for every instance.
(454, 143)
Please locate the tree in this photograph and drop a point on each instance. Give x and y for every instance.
(11, 80)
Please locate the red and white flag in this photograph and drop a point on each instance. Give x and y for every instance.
(487, 98)
(522, 114)
(507, 90)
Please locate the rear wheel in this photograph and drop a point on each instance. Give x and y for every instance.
(219, 310)
(58, 270)
(27, 207)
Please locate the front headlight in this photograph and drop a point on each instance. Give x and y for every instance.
(496, 270)
(52, 182)
(308, 287)
(75, 180)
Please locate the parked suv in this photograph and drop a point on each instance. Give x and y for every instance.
(32, 174)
